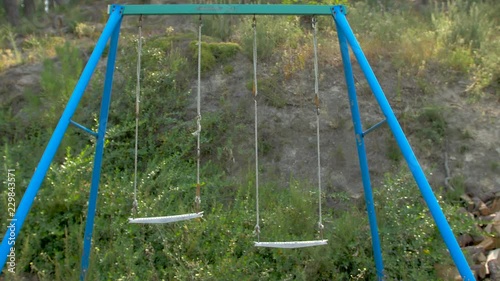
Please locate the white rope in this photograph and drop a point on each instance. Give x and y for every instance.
(137, 100)
(316, 92)
(255, 92)
(198, 122)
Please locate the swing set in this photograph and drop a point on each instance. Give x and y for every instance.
(346, 39)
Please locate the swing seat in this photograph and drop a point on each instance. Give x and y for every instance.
(291, 244)
(166, 219)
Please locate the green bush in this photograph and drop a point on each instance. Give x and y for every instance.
(219, 26)
(410, 241)
(213, 53)
(272, 32)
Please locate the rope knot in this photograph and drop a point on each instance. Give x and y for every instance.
(257, 229)
(198, 124)
(313, 22)
(320, 226)
(134, 206)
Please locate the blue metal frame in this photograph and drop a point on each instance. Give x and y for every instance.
(346, 37)
(363, 161)
(227, 9)
(343, 27)
(372, 128)
(57, 136)
(83, 128)
(96, 171)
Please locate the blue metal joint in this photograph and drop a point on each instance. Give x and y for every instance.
(339, 9)
(115, 7)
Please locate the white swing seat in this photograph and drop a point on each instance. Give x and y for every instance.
(166, 219)
(291, 244)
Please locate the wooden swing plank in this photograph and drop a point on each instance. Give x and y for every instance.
(291, 244)
(166, 219)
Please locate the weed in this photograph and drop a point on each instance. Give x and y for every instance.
(432, 124)
(213, 53)
(271, 90)
(272, 32)
(228, 69)
(495, 166)
(219, 26)
(458, 183)
(463, 149)
(404, 218)
(84, 30)
(393, 152)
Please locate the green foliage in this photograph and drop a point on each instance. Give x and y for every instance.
(219, 26)
(458, 183)
(464, 23)
(228, 69)
(272, 32)
(219, 246)
(432, 125)
(317, 2)
(213, 53)
(10, 55)
(393, 152)
(57, 82)
(271, 90)
(410, 241)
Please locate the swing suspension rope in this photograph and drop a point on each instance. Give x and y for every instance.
(197, 199)
(137, 100)
(289, 244)
(255, 92)
(317, 103)
(174, 218)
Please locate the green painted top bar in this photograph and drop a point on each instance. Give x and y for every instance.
(226, 9)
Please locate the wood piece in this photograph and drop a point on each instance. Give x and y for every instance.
(494, 205)
(469, 204)
(487, 244)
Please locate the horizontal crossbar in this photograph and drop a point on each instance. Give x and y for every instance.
(374, 127)
(83, 128)
(291, 244)
(166, 219)
(226, 9)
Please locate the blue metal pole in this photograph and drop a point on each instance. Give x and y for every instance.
(404, 145)
(96, 171)
(57, 136)
(363, 161)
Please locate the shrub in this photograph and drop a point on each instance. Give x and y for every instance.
(411, 243)
(213, 53)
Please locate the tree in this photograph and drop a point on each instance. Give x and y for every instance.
(29, 8)
(12, 11)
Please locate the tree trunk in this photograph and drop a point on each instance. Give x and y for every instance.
(12, 11)
(29, 8)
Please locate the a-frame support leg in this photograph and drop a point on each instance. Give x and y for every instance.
(96, 171)
(363, 161)
(57, 136)
(338, 13)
